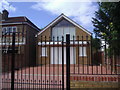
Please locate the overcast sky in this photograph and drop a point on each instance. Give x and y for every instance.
(42, 13)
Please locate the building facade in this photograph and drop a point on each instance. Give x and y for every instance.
(25, 48)
(49, 48)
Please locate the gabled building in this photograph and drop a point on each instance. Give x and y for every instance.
(25, 32)
(49, 48)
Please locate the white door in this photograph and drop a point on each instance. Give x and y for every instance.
(56, 55)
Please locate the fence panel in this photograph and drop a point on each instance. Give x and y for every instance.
(60, 61)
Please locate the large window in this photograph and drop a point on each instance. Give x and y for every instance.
(8, 30)
(62, 28)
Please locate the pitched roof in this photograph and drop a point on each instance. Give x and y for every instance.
(11, 20)
(14, 19)
(68, 19)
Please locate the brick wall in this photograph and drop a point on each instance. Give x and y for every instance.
(6, 62)
(94, 81)
(88, 84)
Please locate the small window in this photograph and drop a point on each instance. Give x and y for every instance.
(82, 51)
(4, 30)
(14, 29)
(44, 51)
(9, 30)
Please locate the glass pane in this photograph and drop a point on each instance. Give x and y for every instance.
(14, 29)
(64, 23)
(54, 33)
(60, 33)
(62, 28)
(3, 30)
(9, 29)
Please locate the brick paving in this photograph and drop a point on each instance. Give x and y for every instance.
(50, 76)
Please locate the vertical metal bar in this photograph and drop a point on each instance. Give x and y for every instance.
(78, 55)
(68, 62)
(28, 54)
(16, 64)
(33, 69)
(8, 59)
(41, 62)
(2, 59)
(91, 55)
(13, 62)
(58, 58)
(87, 47)
(19, 62)
(97, 61)
(36, 43)
(115, 62)
(25, 56)
(83, 53)
(118, 62)
(111, 59)
(4, 51)
(53, 61)
(62, 63)
(105, 56)
(45, 62)
(49, 61)
(74, 55)
(8, 63)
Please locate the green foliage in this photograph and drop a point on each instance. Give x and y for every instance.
(107, 24)
(96, 44)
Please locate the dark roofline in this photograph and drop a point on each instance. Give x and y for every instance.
(52, 21)
(77, 23)
(32, 23)
(25, 20)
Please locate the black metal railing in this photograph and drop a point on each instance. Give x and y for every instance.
(57, 60)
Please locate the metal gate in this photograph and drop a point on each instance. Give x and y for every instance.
(21, 71)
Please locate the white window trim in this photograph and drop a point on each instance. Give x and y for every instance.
(84, 53)
(10, 27)
(44, 54)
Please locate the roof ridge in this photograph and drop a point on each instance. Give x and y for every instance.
(16, 16)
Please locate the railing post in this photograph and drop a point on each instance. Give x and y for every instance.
(62, 63)
(68, 62)
(13, 62)
(91, 53)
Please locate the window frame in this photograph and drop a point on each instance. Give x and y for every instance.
(43, 54)
(84, 53)
(7, 31)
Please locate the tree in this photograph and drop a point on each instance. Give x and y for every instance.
(96, 44)
(107, 25)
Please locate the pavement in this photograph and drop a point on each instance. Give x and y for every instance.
(50, 76)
